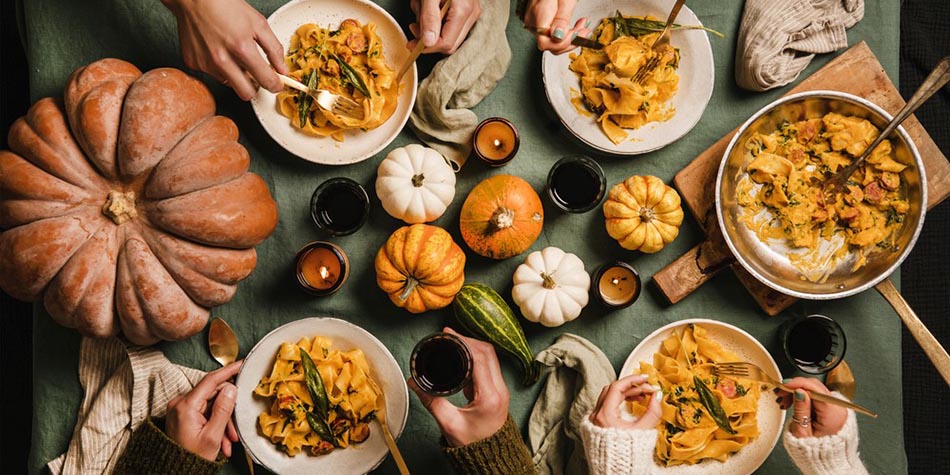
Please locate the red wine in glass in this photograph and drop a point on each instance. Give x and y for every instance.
(441, 364)
(814, 344)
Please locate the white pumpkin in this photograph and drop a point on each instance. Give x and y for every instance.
(551, 287)
(415, 184)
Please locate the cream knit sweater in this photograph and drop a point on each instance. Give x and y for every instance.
(630, 452)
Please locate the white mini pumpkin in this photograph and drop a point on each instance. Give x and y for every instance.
(551, 287)
(415, 184)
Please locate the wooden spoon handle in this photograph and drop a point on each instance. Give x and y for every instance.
(419, 47)
(937, 354)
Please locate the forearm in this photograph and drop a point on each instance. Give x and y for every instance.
(150, 451)
(829, 455)
(503, 453)
(618, 451)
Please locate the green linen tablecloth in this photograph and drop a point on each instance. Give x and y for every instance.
(62, 35)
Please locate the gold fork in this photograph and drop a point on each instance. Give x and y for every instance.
(661, 43)
(327, 100)
(753, 372)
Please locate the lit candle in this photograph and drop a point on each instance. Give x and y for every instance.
(618, 285)
(496, 141)
(322, 267)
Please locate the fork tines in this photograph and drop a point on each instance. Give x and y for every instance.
(647, 68)
(348, 107)
(734, 369)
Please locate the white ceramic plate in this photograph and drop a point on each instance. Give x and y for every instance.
(356, 459)
(357, 145)
(695, 87)
(770, 417)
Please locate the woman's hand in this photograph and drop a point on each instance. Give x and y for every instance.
(220, 38)
(811, 418)
(487, 410)
(555, 17)
(442, 38)
(200, 420)
(631, 388)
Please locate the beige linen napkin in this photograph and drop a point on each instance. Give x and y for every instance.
(441, 116)
(122, 387)
(580, 372)
(778, 38)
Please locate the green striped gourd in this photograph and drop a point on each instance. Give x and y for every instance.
(484, 314)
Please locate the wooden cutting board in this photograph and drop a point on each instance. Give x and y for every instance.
(856, 71)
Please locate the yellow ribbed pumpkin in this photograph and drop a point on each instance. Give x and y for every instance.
(643, 213)
(420, 267)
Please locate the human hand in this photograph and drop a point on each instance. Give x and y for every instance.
(631, 388)
(200, 427)
(487, 409)
(555, 16)
(439, 38)
(220, 38)
(822, 418)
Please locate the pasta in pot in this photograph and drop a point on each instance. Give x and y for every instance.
(704, 416)
(607, 87)
(348, 61)
(351, 397)
(782, 196)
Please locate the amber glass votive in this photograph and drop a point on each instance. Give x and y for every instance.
(496, 141)
(617, 285)
(322, 268)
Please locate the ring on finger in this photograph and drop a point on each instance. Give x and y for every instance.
(805, 421)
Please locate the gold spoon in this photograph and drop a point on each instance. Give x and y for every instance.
(223, 345)
(388, 436)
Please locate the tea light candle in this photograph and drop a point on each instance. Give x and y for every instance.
(496, 141)
(618, 285)
(322, 267)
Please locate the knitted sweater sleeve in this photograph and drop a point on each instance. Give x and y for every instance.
(503, 453)
(613, 451)
(829, 455)
(150, 452)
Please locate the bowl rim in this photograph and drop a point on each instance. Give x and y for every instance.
(869, 282)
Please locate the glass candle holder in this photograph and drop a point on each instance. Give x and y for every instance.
(617, 285)
(496, 141)
(321, 268)
(576, 184)
(339, 206)
(441, 364)
(814, 344)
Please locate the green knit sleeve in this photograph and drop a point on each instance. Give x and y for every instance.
(502, 453)
(151, 452)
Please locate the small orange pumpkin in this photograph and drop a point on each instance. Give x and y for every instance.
(420, 267)
(501, 217)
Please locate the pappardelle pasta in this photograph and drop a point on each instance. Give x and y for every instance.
(782, 195)
(348, 61)
(323, 398)
(607, 87)
(704, 416)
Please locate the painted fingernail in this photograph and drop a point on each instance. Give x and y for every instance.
(786, 380)
(799, 395)
(574, 36)
(778, 400)
(558, 34)
(587, 23)
(775, 390)
(590, 35)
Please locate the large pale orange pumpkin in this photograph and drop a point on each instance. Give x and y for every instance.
(420, 267)
(501, 217)
(129, 206)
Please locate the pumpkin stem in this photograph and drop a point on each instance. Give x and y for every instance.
(548, 281)
(411, 284)
(120, 207)
(417, 180)
(647, 214)
(502, 218)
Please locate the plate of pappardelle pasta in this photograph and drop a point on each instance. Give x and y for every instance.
(352, 48)
(308, 394)
(710, 425)
(593, 92)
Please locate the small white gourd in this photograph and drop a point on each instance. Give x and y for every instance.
(551, 287)
(415, 184)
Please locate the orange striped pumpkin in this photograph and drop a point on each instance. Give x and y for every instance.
(420, 267)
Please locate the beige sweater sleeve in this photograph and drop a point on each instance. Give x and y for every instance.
(618, 451)
(829, 455)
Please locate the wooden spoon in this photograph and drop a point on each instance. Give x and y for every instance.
(419, 47)
(223, 345)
